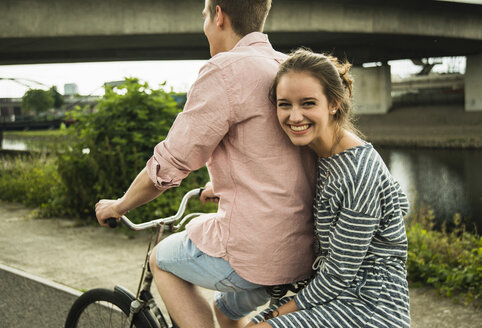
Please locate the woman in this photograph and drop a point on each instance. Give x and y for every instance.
(360, 236)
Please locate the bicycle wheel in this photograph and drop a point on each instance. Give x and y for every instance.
(105, 308)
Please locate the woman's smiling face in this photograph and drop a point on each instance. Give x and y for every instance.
(303, 109)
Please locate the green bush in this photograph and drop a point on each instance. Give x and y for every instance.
(32, 180)
(112, 145)
(449, 261)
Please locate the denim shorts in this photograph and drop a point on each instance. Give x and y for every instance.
(234, 296)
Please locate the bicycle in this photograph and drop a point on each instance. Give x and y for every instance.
(121, 308)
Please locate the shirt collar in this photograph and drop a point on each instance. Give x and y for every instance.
(252, 38)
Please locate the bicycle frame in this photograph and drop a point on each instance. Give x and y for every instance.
(143, 300)
(143, 308)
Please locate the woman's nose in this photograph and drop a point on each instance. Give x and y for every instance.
(296, 115)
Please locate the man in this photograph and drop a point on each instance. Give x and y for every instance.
(262, 232)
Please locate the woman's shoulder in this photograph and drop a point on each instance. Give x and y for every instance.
(355, 160)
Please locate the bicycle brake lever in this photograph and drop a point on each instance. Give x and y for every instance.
(112, 222)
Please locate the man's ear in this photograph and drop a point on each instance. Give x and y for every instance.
(220, 17)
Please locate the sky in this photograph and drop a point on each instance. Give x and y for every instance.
(178, 75)
(90, 77)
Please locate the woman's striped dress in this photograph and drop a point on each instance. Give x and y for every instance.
(361, 276)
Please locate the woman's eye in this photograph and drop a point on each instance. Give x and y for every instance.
(283, 104)
(309, 103)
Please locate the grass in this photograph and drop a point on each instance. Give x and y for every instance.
(36, 134)
(32, 180)
(451, 262)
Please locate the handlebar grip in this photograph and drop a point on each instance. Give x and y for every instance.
(112, 222)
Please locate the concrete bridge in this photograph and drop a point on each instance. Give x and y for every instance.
(363, 31)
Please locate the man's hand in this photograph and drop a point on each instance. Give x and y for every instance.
(105, 209)
(208, 194)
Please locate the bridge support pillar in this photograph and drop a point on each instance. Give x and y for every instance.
(372, 89)
(473, 83)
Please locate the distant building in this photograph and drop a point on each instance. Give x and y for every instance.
(9, 108)
(71, 89)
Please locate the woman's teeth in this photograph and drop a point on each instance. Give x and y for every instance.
(299, 127)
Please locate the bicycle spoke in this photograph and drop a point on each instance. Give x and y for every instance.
(100, 314)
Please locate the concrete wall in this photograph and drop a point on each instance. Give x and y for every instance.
(473, 83)
(30, 301)
(372, 89)
(43, 18)
(383, 17)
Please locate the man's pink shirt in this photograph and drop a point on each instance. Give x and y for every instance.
(263, 225)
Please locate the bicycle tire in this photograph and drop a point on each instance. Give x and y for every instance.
(105, 308)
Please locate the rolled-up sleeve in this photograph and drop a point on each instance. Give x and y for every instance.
(196, 132)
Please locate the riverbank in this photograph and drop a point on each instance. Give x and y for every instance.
(45, 141)
(84, 257)
(437, 126)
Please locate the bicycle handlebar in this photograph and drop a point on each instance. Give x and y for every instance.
(156, 223)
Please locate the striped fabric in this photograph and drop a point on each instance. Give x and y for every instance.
(361, 279)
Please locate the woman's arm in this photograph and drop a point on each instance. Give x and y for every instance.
(283, 309)
(349, 243)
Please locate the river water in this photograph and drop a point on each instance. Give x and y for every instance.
(447, 181)
(9, 144)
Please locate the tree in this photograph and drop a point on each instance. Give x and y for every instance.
(113, 145)
(58, 99)
(37, 100)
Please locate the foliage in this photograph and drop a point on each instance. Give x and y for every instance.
(37, 134)
(58, 99)
(112, 145)
(38, 100)
(449, 261)
(32, 180)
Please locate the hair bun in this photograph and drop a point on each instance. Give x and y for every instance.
(343, 69)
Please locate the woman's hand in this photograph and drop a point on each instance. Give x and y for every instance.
(284, 309)
(287, 308)
(208, 194)
(105, 209)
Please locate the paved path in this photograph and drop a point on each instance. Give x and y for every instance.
(84, 257)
